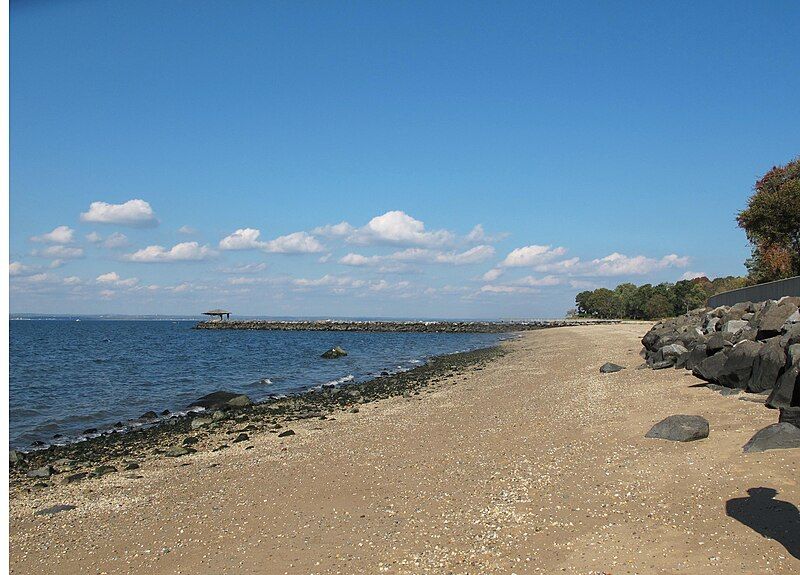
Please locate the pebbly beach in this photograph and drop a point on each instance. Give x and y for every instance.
(520, 459)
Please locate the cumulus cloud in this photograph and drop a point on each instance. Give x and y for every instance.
(296, 243)
(116, 240)
(72, 281)
(133, 213)
(16, 269)
(506, 289)
(693, 275)
(492, 274)
(112, 278)
(183, 252)
(248, 239)
(421, 255)
(532, 255)
(531, 281)
(60, 235)
(60, 252)
(188, 230)
(94, 237)
(328, 281)
(394, 227)
(614, 264)
(340, 230)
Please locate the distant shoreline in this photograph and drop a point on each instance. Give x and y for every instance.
(395, 326)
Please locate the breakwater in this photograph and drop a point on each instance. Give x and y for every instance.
(396, 326)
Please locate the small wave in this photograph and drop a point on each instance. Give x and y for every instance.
(266, 381)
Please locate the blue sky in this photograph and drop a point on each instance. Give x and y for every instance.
(590, 143)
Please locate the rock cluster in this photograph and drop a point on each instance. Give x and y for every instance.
(753, 347)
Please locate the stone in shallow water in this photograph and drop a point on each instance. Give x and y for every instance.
(610, 368)
(334, 352)
(775, 436)
(680, 428)
(54, 509)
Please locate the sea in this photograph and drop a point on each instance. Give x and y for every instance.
(72, 375)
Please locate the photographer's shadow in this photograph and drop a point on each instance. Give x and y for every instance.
(772, 518)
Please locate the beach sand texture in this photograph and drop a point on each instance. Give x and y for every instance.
(536, 463)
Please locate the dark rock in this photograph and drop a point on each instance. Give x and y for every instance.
(790, 415)
(178, 451)
(44, 471)
(101, 470)
(149, 415)
(75, 477)
(165, 412)
(54, 509)
(131, 465)
(767, 368)
(711, 367)
(730, 391)
(786, 393)
(286, 433)
(38, 443)
(680, 428)
(718, 342)
(15, 457)
(354, 410)
(239, 401)
(334, 352)
(241, 437)
(219, 399)
(696, 356)
(739, 364)
(199, 422)
(90, 431)
(773, 317)
(610, 368)
(663, 364)
(190, 441)
(775, 436)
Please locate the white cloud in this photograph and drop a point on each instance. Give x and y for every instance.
(340, 230)
(563, 267)
(492, 274)
(693, 275)
(296, 243)
(532, 255)
(72, 281)
(39, 278)
(422, 255)
(112, 278)
(242, 239)
(116, 240)
(506, 289)
(245, 268)
(133, 213)
(60, 235)
(60, 252)
(94, 237)
(18, 269)
(397, 227)
(617, 264)
(328, 281)
(188, 230)
(549, 280)
(183, 252)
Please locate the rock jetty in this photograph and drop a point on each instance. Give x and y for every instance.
(753, 347)
(396, 326)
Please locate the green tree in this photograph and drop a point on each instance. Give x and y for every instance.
(688, 295)
(772, 224)
(659, 306)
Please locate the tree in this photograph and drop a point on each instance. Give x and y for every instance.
(772, 224)
(688, 295)
(659, 306)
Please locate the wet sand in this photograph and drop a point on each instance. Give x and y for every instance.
(535, 463)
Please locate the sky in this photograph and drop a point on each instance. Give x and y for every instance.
(340, 159)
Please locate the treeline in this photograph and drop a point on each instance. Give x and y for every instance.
(647, 301)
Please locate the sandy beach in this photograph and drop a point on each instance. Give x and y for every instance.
(534, 463)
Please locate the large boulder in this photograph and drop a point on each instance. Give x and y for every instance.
(717, 342)
(773, 317)
(739, 364)
(786, 393)
(775, 436)
(680, 428)
(767, 368)
(221, 399)
(334, 352)
(711, 367)
(734, 326)
(696, 356)
(610, 368)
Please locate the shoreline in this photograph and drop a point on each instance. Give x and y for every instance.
(113, 447)
(397, 326)
(530, 462)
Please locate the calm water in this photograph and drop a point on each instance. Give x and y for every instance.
(67, 376)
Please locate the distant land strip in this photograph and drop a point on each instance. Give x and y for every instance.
(398, 326)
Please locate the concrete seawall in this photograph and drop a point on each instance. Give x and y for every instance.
(396, 326)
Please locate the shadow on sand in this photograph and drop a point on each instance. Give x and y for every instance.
(772, 518)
